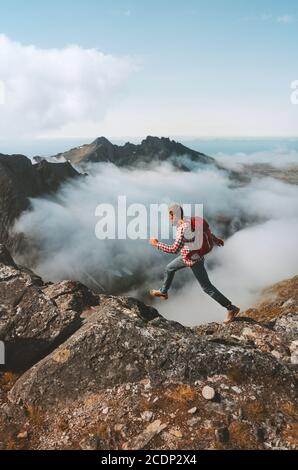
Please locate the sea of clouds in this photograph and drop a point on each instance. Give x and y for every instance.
(262, 252)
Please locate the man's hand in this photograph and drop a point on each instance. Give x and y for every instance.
(153, 241)
(218, 241)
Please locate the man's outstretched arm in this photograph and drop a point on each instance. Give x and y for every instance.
(217, 241)
(176, 246)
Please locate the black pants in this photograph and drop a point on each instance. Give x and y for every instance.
(201, 275)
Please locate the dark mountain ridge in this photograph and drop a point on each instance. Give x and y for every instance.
(20, 180)
(159, 149)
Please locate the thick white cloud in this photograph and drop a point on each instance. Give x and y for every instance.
(63, 227)
(48, 89)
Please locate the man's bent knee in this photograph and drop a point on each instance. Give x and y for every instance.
(170, 269)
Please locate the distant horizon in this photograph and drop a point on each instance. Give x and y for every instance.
(210, 145)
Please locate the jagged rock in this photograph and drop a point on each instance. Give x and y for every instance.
(288, 326)
(125, 353)
(270, 326)
(129, 306)
(147, 415)
(71, 295)
(121, 343)
(34, 319)
(5, 257)
(21, 180)
(249, 333)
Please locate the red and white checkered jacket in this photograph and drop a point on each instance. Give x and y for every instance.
(180, 244)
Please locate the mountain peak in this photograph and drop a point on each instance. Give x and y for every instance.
(101, 141)
(153, 138)
(151, 148)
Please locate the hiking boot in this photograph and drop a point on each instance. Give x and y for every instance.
(158, 293)
(232, 314)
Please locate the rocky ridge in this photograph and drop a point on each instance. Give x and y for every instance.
(110, 372)
(150, 150)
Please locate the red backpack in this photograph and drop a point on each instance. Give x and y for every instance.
(206, 242)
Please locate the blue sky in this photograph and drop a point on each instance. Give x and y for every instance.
(199, 68)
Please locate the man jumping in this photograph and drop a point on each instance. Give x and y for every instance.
(189, 258)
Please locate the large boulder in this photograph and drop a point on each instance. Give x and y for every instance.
(5, 256)
(124, 341)
(71, 296)
(34, 318)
